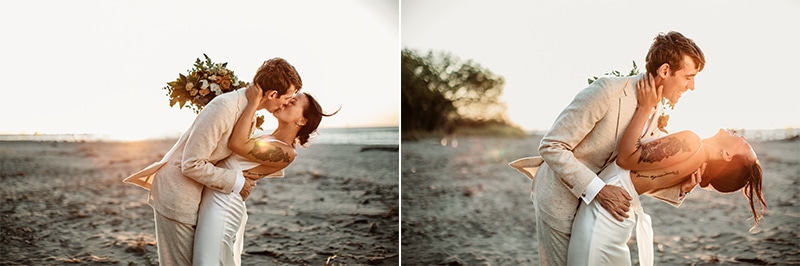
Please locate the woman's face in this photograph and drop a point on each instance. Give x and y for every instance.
(734, 144)
(293, 111)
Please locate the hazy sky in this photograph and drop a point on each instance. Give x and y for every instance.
(546, 50)
(99, 67)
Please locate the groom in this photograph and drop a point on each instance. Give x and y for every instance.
(583, 141)
(178, 179)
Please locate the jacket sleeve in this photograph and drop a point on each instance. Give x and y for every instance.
(671, 195)
(574, 123)
(212, 124)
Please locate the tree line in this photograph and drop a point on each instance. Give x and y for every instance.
(442, 93)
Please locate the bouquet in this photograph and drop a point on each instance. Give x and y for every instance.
(202, 83)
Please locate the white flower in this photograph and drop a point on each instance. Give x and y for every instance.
(205, 84)
(213, 77)
(216, 89)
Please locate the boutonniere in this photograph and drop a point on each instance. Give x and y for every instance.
(259, 121)
(664, 118)
(662, 123)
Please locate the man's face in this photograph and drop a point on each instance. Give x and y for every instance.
(274, 103)
(677, 82)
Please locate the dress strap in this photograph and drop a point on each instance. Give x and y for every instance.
(284, 143)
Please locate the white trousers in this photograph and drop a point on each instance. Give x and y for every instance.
(599, 239)
(219, 235)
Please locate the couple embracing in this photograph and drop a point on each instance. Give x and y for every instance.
(198, 189)
(605, 150)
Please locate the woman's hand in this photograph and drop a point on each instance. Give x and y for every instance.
(248, 187)
(648, 95)
(696, 178)
(254, 94)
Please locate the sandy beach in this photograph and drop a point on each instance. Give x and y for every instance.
(464, 206)
(64, 203)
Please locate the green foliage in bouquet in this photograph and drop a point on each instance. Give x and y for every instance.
(205, 81)
(634, 72)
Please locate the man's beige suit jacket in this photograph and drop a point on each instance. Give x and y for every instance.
(176, 182)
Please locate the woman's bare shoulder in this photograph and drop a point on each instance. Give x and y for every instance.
(270, 145)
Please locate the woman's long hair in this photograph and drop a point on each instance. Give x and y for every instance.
(313, 115)
(738, 174)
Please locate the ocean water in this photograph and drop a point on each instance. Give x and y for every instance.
(355, 136)
(359, 136)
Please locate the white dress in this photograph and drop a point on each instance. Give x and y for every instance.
(599, 239)
(221, 220)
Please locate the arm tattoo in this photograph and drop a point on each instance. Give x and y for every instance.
(660, 149)
(637, 174)
(268, 153)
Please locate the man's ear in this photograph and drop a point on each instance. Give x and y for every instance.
(271, 94)
(663, 70)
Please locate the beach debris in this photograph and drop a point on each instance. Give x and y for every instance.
(329, 260)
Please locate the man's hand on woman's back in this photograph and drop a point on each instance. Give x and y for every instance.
(615, 200)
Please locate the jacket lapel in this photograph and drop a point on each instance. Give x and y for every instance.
(627, 106)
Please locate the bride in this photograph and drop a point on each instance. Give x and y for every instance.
(730, 164)
(219, 235)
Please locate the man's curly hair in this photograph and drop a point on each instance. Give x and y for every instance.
(277, 74)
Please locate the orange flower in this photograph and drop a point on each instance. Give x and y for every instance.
(204, 92)
(226, 84)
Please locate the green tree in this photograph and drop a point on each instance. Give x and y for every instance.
(423, 105)
(442, 92)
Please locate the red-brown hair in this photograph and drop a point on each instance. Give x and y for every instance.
(277, 74)
(670, 48)
(738, 174)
